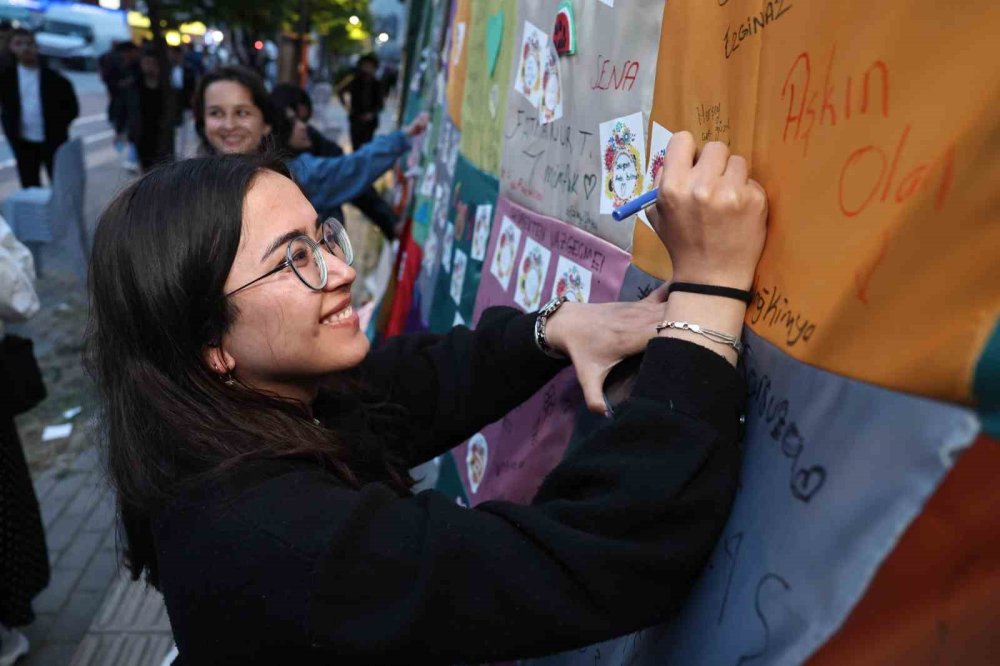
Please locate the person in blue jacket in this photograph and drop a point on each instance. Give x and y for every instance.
(234, 114)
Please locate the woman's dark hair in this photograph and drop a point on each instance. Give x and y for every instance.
(162, 252)
(249, 79)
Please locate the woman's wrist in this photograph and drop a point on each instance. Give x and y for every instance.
(559, 326)
(716, 313)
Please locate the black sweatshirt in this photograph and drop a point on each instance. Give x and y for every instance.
(283, 564)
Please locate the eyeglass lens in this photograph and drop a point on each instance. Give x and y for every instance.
(337, 241)
(306, 259)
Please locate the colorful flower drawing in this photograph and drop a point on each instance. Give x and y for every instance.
(572, 280)
(476, 457)
(551, 107)
(481, 232)
(502, 265)
(657, 153)
(622, 161)
(458, 276)
(531, 275)
(529, 72)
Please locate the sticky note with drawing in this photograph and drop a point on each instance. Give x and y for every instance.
(623, 148)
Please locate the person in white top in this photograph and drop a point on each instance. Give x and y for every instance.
(38, 105)
(24, 564)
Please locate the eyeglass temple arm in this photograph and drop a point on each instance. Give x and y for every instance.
(280, 267)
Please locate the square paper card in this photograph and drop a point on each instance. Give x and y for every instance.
(508, 239)
(531, 275)
(481, 232)
(572, 280)
(458, 277)
(623, 158)
(528, 80)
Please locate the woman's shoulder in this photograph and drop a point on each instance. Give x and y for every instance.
(251, 505)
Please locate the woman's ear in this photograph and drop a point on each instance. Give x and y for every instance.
(267, 128)
(218, 360)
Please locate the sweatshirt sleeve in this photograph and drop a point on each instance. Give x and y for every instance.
(456, 383)
(612, 542)
(332, 181)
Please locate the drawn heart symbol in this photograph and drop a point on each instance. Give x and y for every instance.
(589, 184)
(807, 482)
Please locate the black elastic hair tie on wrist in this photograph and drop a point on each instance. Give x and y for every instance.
(711, 290)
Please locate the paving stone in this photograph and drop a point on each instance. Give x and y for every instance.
(99, 574)
(38, 630)
(76, 616)
(86, 500)
(62, 531)
(67, 484)
(51, 511)
(44, 484)
(50, 654)
(88, 461)
(52, 598)
(103, 515)
(79, 552)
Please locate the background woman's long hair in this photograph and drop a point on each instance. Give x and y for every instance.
(162, 252)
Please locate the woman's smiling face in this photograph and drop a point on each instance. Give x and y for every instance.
(287, 337)
(233, 123)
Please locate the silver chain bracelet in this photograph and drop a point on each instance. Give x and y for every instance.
(714, 336)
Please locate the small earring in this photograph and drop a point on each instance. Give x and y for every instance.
(229, 381)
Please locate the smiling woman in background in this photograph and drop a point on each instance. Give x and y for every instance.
(234, 115)
(260, 449)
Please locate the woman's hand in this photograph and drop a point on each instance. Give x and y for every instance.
(709, 214)
(417, 125)
(712, 218)
(597, 336)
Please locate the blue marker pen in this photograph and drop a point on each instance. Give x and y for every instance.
(641, 202)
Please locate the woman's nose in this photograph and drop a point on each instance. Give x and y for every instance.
(338, 273)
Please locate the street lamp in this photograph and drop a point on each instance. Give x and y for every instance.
(383, 37)
(354, 20)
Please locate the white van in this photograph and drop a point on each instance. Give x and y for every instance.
(79, 34)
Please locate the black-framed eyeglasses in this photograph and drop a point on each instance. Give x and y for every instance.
(305, 256)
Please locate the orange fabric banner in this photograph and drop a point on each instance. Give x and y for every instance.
(875, 132)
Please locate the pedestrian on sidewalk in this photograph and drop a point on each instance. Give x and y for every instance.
(6, 59)
(297, 104)
(362, 95)
(145, 100)
(234, 114)
(259, 449)
(38, 105)
(24, 558)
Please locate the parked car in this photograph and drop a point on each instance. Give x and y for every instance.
(78, 34)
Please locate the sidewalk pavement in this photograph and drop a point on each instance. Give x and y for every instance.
(87, 593)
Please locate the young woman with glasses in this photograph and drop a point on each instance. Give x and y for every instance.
(260, 449)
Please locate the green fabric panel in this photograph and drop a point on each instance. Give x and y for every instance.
(471, 188)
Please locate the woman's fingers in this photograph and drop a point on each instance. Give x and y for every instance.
(679, 159)
(736, 169)
(712, 160)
